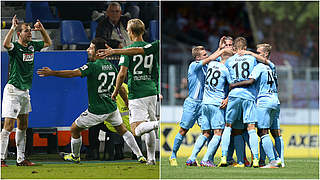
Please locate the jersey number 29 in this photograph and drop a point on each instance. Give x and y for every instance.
(147, 63)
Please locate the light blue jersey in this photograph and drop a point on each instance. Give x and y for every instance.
(216, 83)
(240, 67)
(196, 78)
(264, 76)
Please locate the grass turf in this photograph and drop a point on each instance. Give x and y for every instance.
(58, 169)
(296, 168)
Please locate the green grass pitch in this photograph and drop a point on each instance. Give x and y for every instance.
(58, 169)
(296, 168)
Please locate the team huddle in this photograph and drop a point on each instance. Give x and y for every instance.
(231, 92)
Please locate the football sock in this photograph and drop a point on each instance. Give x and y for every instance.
(150, 139)
(21, 144)
(239, 146)
(131, 142)
(225, 140)
(280, 147)
(230, 149)
(76, 146)
(254, 143)
(201, 140)
(262, 153)
(268, 146)
(212, 147)
(276, 157)
(4, 142)
(176, 145)
(146, 127)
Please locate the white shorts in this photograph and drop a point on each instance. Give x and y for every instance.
(15, 101)
(143, 109)
(88, 119)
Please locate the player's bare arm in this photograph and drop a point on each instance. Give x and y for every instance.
(213, 56)
(120, 79)
(129, 51)
(258, 57)
(124, 95)
(242, 83)
(45, 36)
(7, 40)
(45, 71)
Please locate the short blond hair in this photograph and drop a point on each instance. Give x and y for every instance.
(136, 26)
(265, 48)
(196, 51)
(240, 43)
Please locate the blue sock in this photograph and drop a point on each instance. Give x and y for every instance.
(262, 153)
(212, 148)
(280, 147)
(230, 149)
(201, 140)
(176, 145)
(225, 140)
(254, 143)
(211, 156)
(268, 146)
(239, 146)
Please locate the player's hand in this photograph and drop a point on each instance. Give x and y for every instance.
(105, 52)
(45, 71)
(15, 22)
(222, 42)
(244, 52)
(114, 95)
(224, 103)
(38, 26)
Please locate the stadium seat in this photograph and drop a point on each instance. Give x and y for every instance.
(39, 10)
(154, 30)
(93, 27)
(72, 32)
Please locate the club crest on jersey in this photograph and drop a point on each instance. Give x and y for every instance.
(31, 48)
(28, 57)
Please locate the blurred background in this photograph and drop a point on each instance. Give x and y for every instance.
(57, 102)
(292, 28)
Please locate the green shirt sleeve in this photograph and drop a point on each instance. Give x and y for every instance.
(124, 61)
(152, 48)
(86, 69)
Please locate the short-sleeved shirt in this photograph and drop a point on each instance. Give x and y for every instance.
(240, 68)
(143, 70)
(264, 77)
(101, 77)
(216, 84)
(196, 79)
(22, 63)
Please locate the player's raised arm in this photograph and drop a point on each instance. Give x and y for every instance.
(7, 40)
(120, 79)
(45, 71)
(45, 36)
(258, 57)
(214, 56)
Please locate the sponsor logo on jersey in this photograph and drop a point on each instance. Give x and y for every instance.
(28, 57)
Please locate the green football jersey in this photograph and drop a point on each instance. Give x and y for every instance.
(143, 70)
(22, 63)
(101, 78)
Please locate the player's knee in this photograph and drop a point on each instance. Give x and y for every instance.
(262, 132)
(9, 124)
(183, 132)
(206, 133)
(228, 125)
(251, 126)
(75, 131)
(218, 132)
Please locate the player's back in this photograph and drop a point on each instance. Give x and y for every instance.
(216, 83)
(266, 84)
(240, 68)
(196, 78)
(142, 71)
(101, 78)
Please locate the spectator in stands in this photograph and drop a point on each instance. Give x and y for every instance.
(113, 26)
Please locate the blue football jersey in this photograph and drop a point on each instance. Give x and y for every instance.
(240, 67)
(196, 77)
(216, 83)
(264, 76)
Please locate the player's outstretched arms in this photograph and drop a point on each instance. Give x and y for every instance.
(258, 57)
(45, 71)
(129, 51)
(7, 40)
(242, 84)
(120, 78)
(45, 36)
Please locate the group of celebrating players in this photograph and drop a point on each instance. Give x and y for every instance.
(230, 93)
(140, 61)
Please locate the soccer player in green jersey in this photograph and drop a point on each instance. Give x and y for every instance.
(143, 72)
(101, 75)
(16, 103)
